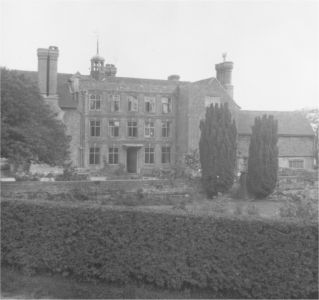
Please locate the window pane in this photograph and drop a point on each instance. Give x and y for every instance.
(149, 155)
(166, 105)
(296, 164)
(116, 131)
(149, 104)
(166, 155)
(97, 156)
(91, 158)
(98, 105)
(132, 103)
(113, 156)
(94, 157)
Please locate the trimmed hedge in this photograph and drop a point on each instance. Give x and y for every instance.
(253, 258)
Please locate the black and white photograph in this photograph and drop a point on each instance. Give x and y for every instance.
(155, 149)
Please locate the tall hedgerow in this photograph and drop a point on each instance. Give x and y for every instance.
(217, 147)
(263, 157)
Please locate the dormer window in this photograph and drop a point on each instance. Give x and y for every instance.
(95, 102)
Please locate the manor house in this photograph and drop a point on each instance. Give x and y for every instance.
(142, 124)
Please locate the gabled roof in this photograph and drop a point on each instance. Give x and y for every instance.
(218, 87)
(289, 122)
(65, 97)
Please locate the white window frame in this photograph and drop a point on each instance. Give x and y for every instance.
(149, 158)
(95, 128)
(130, 128)
(113, 157)
(294, 163)
(151, 101)
(149, 128)
(166, 127)
(115, 98)
(132, 103)
(113, 126)
(166, 155)
(166, 105)
(94, 151)
(95, 102)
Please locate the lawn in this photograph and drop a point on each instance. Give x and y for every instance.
(17, 285)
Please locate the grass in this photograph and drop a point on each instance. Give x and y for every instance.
(17, 285)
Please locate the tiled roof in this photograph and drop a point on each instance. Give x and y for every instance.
(65, 97)
(131, 84)
(289, 123)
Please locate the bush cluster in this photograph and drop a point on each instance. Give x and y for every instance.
(256, 259)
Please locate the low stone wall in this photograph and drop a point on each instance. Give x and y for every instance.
(9, 189)
(296, 182)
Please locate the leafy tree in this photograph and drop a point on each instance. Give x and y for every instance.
(217, 148)
(29, 130)
(263, 157)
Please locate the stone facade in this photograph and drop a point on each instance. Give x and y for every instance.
(144, 107)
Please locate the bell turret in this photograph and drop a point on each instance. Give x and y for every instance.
(97, 64)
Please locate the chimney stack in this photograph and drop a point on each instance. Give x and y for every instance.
(48, 70)
(173, 77)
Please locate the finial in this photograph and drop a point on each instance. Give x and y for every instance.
(224, 56)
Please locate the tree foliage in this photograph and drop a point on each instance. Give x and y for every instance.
(217, 148)
(30, 131)
(263, 157)
(312, 114)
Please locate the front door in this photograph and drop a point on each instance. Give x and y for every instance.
(131, 160)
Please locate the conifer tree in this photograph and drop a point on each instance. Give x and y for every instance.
(217, 148)
(263, 157)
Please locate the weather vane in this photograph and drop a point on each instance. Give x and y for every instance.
(96, 33)
(224, 56)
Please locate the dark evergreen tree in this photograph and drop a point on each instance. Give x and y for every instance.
(29, 130)
(217, 148)
(263, 157)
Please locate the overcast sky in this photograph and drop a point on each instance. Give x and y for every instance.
(274, 44)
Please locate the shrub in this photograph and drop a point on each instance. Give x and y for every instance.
(192, 163)
(256, 259)
(263, 157)
(303, 211)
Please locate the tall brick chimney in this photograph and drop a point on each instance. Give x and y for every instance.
(48, 70)
(224, 74)
(48, 77)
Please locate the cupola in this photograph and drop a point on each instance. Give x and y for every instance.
(97, 64)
